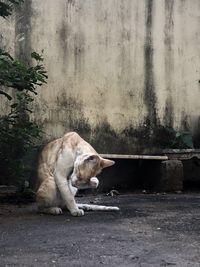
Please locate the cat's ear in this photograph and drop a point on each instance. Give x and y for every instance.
(106, 163)
(92, 159)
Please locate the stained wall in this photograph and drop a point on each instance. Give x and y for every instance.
(118, 69)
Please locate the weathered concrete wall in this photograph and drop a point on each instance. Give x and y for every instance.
(117, 69)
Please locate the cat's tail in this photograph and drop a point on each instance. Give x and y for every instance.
(88, 207)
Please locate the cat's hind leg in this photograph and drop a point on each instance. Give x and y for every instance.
(48, 198)
(52, 210)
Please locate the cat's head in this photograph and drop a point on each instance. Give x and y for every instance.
(88, 166)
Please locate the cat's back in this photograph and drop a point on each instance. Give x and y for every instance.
(50, 151)
(71, 140)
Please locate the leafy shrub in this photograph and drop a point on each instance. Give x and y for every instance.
(15, 74)
(18, 133)
(7, 6)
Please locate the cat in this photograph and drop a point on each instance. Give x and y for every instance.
(65, 165)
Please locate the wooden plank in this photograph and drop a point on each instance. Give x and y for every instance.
(118, 156)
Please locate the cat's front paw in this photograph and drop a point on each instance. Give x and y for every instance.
(94, 182)
(77, 213)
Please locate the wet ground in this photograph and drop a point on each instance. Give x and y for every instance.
(150, 230)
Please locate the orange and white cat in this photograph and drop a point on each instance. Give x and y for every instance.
(65, 165)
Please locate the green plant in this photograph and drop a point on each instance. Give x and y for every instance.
(183, 140)
(15, 74)
(18, 133)
(167, 137)
(7, 6)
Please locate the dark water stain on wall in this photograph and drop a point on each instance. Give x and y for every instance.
(185, 122)
(23, 17)
(169, 61)
(79, 42)
(125, 47)
(70, 4)
(136, 35)
(74, 118)
(64, 33)
(149, 86)
(103, 137)
(183, 46)
(69, 113)
(79, 49)
(106, 140)
(196, 136)
(131, 140)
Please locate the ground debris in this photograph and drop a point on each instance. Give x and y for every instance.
(113, 193)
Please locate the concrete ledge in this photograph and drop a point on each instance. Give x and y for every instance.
(182, 154)
(118, 156)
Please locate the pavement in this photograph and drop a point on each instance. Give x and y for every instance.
(149, 230)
